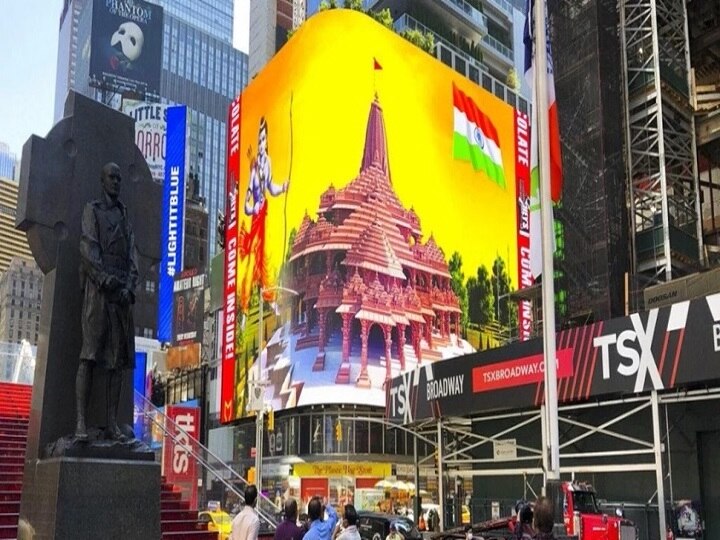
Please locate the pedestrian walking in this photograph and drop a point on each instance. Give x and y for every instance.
(246, 525)
(289, 529)
(320, 529)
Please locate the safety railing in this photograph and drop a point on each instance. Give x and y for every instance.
(157, 430)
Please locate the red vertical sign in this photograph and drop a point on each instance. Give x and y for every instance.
(227, 394)
(522, 183)
(179, 444)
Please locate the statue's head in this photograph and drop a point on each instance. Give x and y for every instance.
(111, 180)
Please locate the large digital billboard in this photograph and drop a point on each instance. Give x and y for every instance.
(150, 133)
(378, 201)
(188, 303)
(126, 46)
(173, 217)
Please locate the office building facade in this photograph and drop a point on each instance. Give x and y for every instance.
(13, 243)
(200, 69)
(8, 162)
(20, 297)
(270, 22)
(481, 39)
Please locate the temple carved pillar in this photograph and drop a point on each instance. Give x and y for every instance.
(346, 322)
(401, 344)
(387, 332)
(308, 316)
(416, 330)
(328, 262)
(363, 380)
(322, 322)
(428, 330)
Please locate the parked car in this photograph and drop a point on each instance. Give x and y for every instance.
(376, 526)
(219, 521)
(426, 507)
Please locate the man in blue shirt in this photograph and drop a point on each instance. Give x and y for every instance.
(320, 529)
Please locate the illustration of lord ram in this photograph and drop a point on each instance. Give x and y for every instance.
(252, 242)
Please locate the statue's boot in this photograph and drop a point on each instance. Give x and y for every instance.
(114, 387)
(83, 384)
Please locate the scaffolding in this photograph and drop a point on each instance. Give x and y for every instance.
(586, 51)
(666, 234)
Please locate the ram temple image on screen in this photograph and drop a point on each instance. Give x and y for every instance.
(374, 299)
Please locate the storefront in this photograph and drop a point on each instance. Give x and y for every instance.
(338, 481)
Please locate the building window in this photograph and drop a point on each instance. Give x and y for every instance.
(148, 333)
(150, 286)
(460, 65)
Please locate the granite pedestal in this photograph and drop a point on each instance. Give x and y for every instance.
(87, 499)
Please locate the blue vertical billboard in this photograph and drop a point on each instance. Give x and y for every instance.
(173, 217)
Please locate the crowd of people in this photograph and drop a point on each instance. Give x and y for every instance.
(322, 522)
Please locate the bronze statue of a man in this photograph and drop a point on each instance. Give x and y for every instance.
(109, 277)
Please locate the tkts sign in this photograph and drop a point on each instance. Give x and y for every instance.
(666, 348)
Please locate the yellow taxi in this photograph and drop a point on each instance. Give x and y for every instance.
(465, 514)
(217, 520)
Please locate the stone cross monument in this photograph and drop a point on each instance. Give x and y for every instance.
(88, 489)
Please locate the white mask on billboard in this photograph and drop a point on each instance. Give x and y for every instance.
(131, 39)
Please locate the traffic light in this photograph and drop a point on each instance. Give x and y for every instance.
(338, 431)
(271, 420)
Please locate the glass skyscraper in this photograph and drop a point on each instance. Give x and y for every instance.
(200, 69)
(8, 162)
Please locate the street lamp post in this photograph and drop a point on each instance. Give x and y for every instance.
(260, 415)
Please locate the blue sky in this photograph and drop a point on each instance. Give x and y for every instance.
(28, 58)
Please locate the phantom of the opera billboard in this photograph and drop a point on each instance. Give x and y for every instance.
(377, 202)
(126, 46)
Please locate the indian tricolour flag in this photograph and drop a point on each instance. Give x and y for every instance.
(549, 108)
(475, 138)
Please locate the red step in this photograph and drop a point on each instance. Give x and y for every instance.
(14, 422)
(176, 515)
(193, 535)
(170, 496)
(183, 525)
(10, 507)
(169, 504)
(17, 443)
(11, 467)
(8, 531)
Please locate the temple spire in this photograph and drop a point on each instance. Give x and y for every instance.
(375, 152)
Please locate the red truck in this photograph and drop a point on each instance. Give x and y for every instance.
(584, 519)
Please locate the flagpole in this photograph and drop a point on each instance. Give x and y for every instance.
(546, 220)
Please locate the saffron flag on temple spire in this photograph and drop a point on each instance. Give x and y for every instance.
(475, 138)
